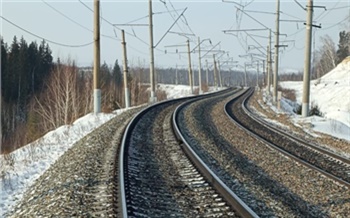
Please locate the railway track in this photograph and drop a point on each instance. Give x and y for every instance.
(160, 179)
(312, 156)
(231, 154)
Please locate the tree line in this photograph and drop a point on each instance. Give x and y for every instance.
(39, 94)
(328, 55)
(25, 67)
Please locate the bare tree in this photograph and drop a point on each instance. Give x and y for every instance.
(62, 103)
(326, 57)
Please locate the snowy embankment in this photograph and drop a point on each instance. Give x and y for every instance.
(21, 168)
(331, 93)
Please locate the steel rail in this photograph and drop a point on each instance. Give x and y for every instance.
(232, 199)
(307, 144)
(286, 153)
(126, 136)
(122, 152)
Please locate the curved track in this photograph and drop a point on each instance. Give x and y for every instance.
(325, 162)
(157, 179)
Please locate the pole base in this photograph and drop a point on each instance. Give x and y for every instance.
(127, 98)
(153, 98)
(305, 110)
(97, 101)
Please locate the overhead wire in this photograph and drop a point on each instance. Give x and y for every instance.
(43, 38)
(184, 17)
(70, 19)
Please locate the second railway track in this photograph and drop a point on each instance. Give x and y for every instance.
(327, 163)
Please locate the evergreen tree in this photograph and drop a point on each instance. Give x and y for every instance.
(11, 76)
(33, 66)
(343, 46)
(116, 74)
(23, 74)
(3, 61)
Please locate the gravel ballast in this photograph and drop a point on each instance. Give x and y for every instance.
(81, 183)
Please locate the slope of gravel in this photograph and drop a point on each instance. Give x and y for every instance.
(82, 181)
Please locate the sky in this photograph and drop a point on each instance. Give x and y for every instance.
(70, 23)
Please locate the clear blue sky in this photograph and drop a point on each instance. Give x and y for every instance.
(206, 19)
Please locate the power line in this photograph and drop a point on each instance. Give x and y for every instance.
(40, 37)
(300, 5)
(329, 27)
(70, 19)
(111, 24)
(130, 34)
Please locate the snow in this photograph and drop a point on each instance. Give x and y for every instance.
(331, 93)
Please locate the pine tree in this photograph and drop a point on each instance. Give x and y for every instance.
(343, 46)
(3, 61)
(116, 74)
(11, 77)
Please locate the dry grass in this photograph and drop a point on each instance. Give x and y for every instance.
(346, 60)
(288, 93)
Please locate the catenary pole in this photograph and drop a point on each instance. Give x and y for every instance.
(125, 72)
(97, 90)
(176, 76)
(245, 75)
(307, 65)
(269, 64)
(257, 75)
(153, 97)
(219, 70)
(200, 67)
(190, 77)
(277, 36)
(207, 73)
(215, 73)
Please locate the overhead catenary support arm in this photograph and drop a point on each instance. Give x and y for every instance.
(170, 28)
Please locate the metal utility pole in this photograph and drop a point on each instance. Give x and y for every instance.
(263, 73)
(245, 74)
(125, 70)
(219, 74)
(153, 97)
(307, 65)
(189, 66)
(207, 73)
(269, 64)
(215, 73)
(97, 90)
(200, 67)
(176, 76)
(277, 36)
(257, 74)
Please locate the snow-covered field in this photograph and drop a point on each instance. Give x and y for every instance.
(332, 95)
(29, 162)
